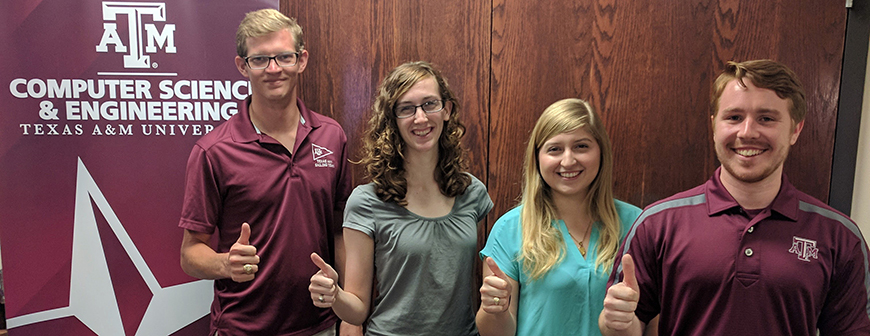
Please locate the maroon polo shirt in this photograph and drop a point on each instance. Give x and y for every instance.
(709, 268)
(236, 175)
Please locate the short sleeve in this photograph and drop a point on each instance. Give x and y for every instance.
(503, 244)
(639, 244)
(201, 204)
(359, 214)
(482, 201)
(846, 307)
(627, 215)
(344, 181)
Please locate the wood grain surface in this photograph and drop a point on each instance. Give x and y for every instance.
(646, 66)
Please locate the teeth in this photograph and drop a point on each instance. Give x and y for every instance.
(749, 152)
(421, 133)
(569, 174)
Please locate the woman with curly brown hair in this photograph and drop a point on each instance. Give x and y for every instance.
(413, 228)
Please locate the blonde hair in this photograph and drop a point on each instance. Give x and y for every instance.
(542, 246)
(265, 21)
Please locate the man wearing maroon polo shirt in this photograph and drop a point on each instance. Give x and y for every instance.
(273, 181)
(745, 253)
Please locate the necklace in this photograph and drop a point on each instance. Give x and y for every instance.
(580, 242)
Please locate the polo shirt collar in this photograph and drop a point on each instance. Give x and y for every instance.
(719, 199)
(786, 202)
(245, 131)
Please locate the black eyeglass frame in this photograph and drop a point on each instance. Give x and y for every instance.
(443, 105)
(275, 58)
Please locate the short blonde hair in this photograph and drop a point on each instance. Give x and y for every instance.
(265, 21)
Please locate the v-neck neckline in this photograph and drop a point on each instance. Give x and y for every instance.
(591, 244)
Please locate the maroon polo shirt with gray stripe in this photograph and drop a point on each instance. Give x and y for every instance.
(235, 175)
(710, 268)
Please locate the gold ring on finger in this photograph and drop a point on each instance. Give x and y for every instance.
(496, 300)
(248, 268)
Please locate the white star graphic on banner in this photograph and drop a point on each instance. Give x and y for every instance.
(92, 297)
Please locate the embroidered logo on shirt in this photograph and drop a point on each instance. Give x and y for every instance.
(804, 248)
(319, 152)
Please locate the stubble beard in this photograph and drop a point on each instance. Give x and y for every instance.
(749, 177)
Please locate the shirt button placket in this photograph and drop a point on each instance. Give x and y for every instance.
(290, 165)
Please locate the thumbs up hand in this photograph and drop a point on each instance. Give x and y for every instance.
(242, 260)
(323, 286)
(621, 300)
(495, 294)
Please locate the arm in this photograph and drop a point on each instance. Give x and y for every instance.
(199, 260)
(497, 318)
(340, 252)
(618, 318)
(844, 311)
(634, 328)
(346, 329)
(351, 305)
(652, 328)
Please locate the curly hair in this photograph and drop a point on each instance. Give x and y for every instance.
(383, 146)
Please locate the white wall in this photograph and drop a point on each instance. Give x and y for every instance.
(861, 193)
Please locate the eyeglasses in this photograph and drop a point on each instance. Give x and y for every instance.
(258, 62)
(407, 111)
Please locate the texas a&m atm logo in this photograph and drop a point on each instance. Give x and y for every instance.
(804, 248)
(142, 37)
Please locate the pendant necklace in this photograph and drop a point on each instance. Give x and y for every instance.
(580, 242)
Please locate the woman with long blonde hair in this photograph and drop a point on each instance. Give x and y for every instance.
(547, 260)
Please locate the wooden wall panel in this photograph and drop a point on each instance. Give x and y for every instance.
(609, 55)
(647, 66)
(808, 37)
(353, 44)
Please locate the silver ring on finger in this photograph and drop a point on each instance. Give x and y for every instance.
(320, 298)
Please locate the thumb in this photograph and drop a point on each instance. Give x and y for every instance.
(628, 276)
(324, 267)
(245, 236)
(494, 268)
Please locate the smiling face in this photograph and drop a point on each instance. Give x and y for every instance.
(422, 131)
(752, 133)
(274, 83)
(569, 163)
